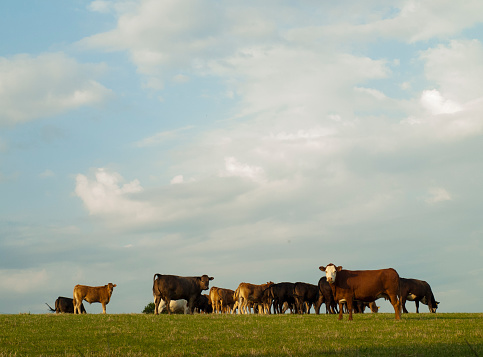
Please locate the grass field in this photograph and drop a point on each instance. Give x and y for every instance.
(241, 335)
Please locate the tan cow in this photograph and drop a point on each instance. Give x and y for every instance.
(247, 294)
(92, 294)
(214, 299)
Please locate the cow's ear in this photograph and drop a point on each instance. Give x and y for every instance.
(322, 268)
(339, 268)
(211, 278)
(114, 285)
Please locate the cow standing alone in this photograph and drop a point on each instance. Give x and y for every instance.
(363, 285)
(173, 287)
(417, 290)
(92, 294)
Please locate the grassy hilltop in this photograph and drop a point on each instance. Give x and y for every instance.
(240, 335)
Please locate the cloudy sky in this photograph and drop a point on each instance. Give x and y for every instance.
(251, 141)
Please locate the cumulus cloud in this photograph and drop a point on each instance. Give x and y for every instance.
(105, 195)
(437, 195)
(434, 102)
(46, 85)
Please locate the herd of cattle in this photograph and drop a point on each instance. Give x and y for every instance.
(340, 290)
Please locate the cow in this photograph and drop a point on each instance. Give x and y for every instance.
(226, 299)
(92, 294)
(306, 295)
(177, 306)
(65, 305)
(417, 290)
(279, 294)
(173, 287)
(364, 285)
(326, 296)
(202, 304)
(215, 299)
(250, 293)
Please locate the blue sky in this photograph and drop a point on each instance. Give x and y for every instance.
(251, 141)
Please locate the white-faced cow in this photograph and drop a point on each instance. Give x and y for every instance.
(363, 285)
(173, 287)
(92, 294)
(65, 305)
(417, 290)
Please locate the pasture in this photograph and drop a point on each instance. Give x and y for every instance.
(241, 335)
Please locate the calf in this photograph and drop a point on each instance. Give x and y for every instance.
(306, 295)
(247, 293)
(363, 285)
(281, 293)
(173, 287)
(92, 294)
(417, 290)
(66, 305)
(177, 306)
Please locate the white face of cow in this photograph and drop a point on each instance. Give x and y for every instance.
(330, 273)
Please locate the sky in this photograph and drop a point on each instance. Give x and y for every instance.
(252, 141)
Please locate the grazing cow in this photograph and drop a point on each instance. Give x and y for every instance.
(65, 305)
(92, 294)
(281, 293)
(226, 299)
(173, 287)
(306, 295)
(202, 304)
(250, 293)
(326, 296)
(176, 306)
(363, 285)
(417, 290)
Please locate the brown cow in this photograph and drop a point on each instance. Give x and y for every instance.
(227, 299)
(173, 287)
(92, 294)
(250, 293)
(215, 299)
(363, 285)
(417, 290)
(280, 294)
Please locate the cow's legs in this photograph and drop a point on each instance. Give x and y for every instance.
(341, 309)
(103, 307)
(191, 304)
(403, 304)
(396, 303)
(168, 302)
(157, 300)
(350, 307)
(417, 306)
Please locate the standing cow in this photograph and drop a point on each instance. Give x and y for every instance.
(92, 294)
(417, 290)
(363, 285)
(173, 287)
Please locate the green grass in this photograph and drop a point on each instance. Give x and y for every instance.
(235, 335)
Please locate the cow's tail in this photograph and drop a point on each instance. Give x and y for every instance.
(154, 285)
(52, 310)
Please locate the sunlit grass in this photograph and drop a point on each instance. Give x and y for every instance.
(235, 335)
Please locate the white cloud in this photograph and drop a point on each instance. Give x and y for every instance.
(235, 168)
(22, 280)
(105, 196)
(177, 179)
(434, 102)
(46, 85)
(437, 195)
(47, 174)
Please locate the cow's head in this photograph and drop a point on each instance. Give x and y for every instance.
(330, 272)
(433, 309)
(205, 282)
(110, 288)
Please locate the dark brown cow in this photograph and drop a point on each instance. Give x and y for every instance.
(417, 290)
(281, 293)
(327, 297)
(363, 285)
(65, 305)
(173, 287)
(92, 294)
(306, 295)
